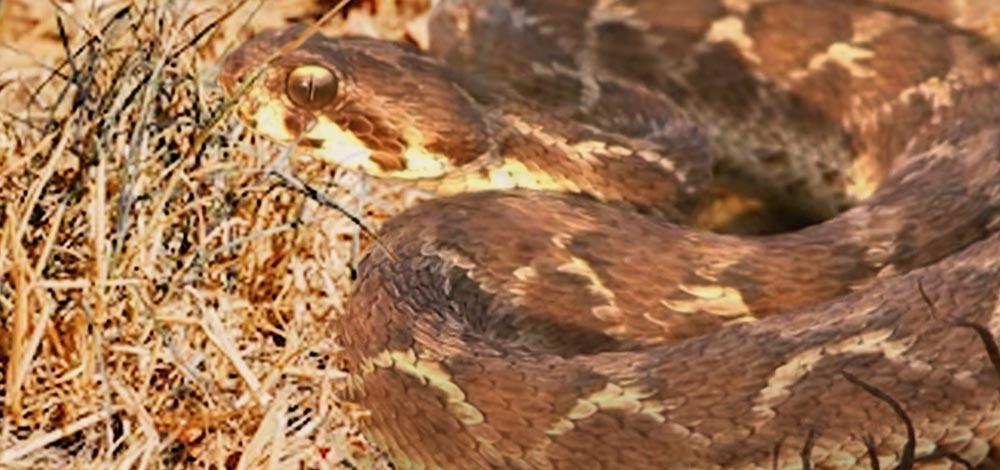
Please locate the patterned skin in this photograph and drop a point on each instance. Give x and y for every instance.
(558, 313)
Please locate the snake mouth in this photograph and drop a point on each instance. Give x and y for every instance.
(320, 137)
(323, 138)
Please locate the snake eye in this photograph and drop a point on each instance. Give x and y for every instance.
(311, 86)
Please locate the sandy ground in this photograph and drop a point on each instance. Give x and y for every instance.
(164, 296)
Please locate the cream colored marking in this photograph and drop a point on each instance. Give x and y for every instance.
(344, 149)
(710, 271)
(843, 54)
(509, 174)
(420, 162)
(583, 150)
(879, 251)
(586, 148)
(731, 29)
(269, 116)
(779, 386)
(663, 324)
(715, 299)
(590, 151)
(526, 277)
(419, 29)
(542, 70)
(665, 163)
(455, 258)
(614, 11)
(432, 375)
(941, 93)
(560, 239)
(340, 148)
(627, 399)
(581, 268)
(839, 458)
(611, 314)
(878, 245)
(525, 273)
(608, 312)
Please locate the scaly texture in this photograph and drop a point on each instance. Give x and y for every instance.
(559, 314)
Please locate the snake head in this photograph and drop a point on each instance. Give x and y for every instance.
(375, 106)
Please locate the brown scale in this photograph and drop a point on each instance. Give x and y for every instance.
(530, 329)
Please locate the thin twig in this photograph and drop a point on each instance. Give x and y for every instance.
(985, 335)
(909, 448)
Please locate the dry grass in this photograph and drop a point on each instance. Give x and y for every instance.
(164, 298)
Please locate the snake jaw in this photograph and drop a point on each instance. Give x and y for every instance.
(333, 144)
(326, 140)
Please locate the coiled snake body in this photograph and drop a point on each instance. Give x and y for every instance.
(570, 318)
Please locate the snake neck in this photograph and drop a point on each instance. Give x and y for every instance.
(534, 152)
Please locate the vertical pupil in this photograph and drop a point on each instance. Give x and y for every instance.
(311, 86)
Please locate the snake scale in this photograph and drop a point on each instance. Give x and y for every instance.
(558, 308)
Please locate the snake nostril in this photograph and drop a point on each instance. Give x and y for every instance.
(311, 86)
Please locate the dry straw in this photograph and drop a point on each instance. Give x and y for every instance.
(164, 297)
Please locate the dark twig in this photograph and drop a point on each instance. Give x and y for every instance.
(209, 28)
(57, 72)
(989, 342)
(80, 80)
(318, 196)
(906, 458)
(872, 452)
(775, 453)
(807, 449)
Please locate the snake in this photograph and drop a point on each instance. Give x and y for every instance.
(558, 304)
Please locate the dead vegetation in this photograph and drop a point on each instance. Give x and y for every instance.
(164, 298)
